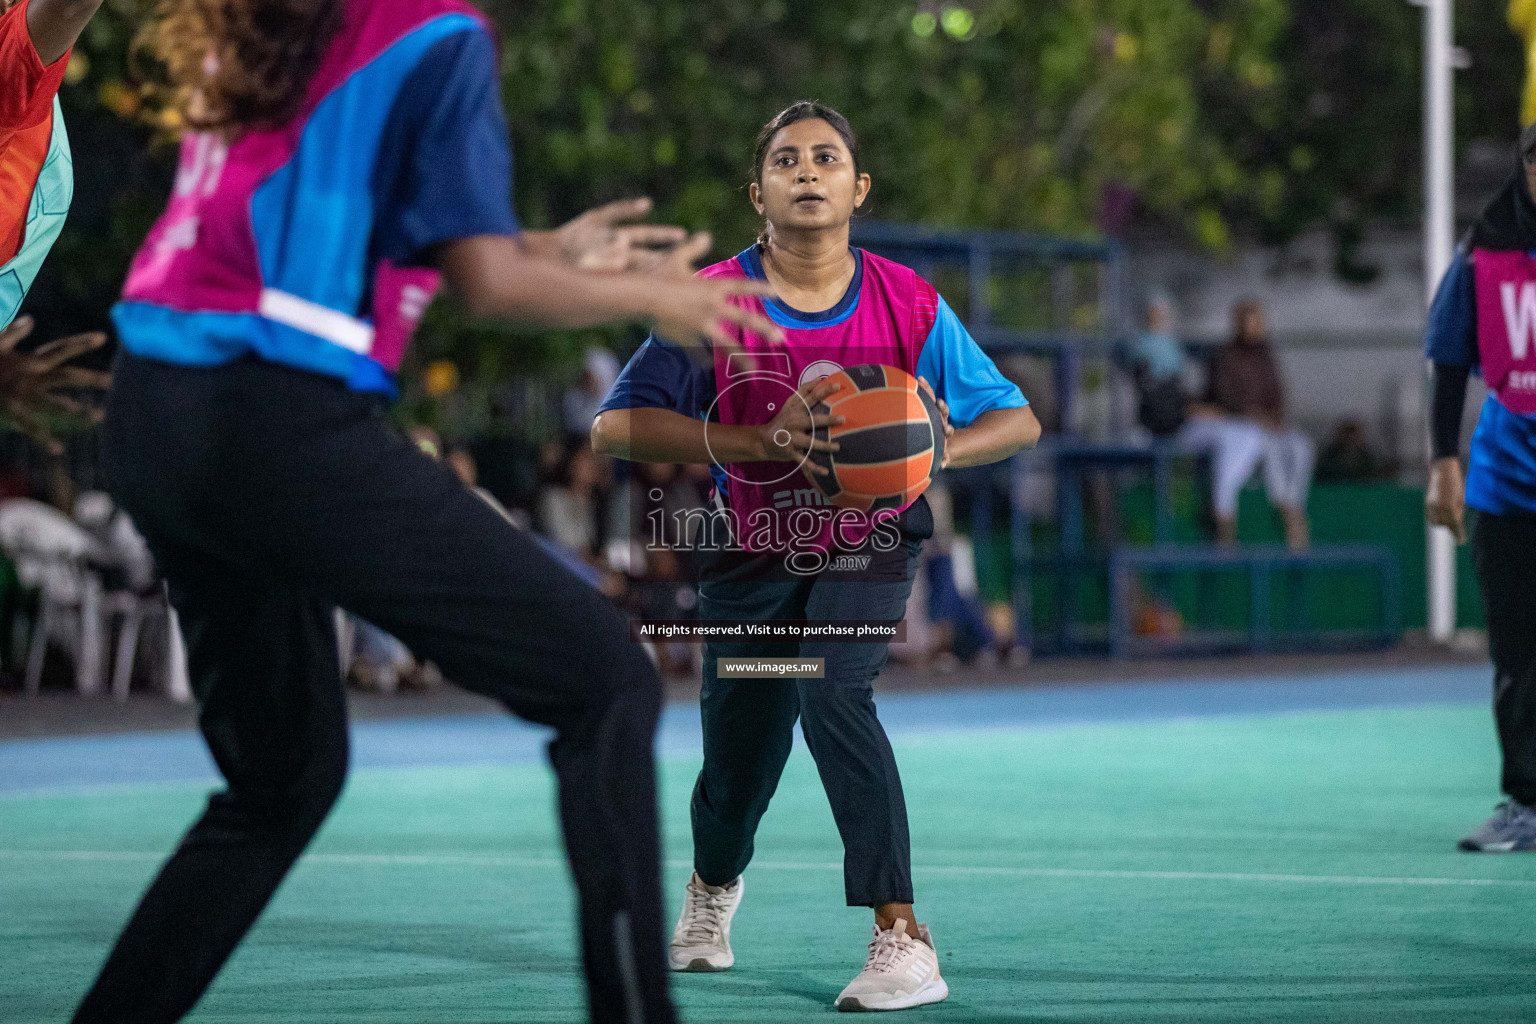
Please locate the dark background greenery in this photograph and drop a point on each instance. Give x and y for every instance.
(1203, 121)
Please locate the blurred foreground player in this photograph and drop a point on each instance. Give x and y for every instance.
(840, 307)
(1484, 316)
(346, 151)
(36, 175)
(36, 185)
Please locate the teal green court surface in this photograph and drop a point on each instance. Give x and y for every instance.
(1240, 850)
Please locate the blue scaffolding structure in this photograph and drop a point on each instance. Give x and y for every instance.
(982, 258)
(983, 255)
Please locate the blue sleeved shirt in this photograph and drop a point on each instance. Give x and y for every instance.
(662, 375)
(444, 169)
(962, 374)
(1450, 335)
(1501, 472)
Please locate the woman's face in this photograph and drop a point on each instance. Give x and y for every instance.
(808, 180)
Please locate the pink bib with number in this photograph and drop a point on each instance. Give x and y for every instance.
(1506, 326)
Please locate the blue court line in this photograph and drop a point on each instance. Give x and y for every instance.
(491, 738)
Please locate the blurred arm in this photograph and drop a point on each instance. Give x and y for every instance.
(55, 25)
(661, 435)
(1450, 344)
(1448, 385)
(497, 275)
(543, 244)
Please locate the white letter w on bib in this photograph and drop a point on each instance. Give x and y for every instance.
(1519, 323)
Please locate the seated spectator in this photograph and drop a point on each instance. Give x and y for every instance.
(599, 369)
(953, 606)
(1157, 365)
(650, 512)
(947, 623)
(569, 511)
(1241, 422)
(658, 498)
(1347, 457)
(550, 464)
(383, 664)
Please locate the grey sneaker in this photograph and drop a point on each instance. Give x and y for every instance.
(1512, 829)
(902, 971)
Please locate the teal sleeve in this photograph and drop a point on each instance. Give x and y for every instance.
(962, 374)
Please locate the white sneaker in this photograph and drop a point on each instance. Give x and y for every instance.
(702, 941)
(901, 972)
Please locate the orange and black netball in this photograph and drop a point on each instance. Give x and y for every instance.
(891, 440)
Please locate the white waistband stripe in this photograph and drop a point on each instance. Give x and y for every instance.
(313, 318)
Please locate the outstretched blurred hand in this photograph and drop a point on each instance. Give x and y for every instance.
(600, 240)
(690, 309)
(33, 383)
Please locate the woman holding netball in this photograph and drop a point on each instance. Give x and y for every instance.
(757, 415)
(346, 152)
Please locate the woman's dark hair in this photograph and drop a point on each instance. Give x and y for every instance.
(805, 110)
(237, 64)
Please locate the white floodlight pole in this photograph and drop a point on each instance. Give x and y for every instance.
(1439, 244)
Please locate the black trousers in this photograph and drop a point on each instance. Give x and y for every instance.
(269, 495)
(749, 727)
(1504, 549)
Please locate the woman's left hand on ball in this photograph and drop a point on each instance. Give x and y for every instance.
(943, 406)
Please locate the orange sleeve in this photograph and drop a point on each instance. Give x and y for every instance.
(27, 88)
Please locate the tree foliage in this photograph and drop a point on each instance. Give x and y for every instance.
(1007, 114)
(1212, 120)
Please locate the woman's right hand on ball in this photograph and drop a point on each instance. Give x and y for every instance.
(790, 435)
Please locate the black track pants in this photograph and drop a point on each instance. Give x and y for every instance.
(1504, 548)
(749, 729)
(269, 495)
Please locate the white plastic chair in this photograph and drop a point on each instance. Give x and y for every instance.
(138, 611)
(138, 603)
(52, 553)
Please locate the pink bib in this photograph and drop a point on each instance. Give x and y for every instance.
(887, 322)
(1506, 326)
